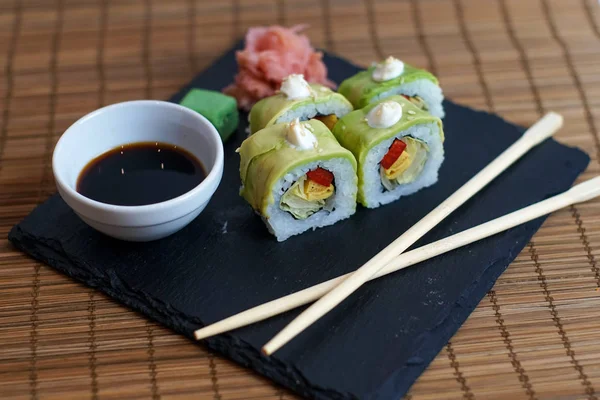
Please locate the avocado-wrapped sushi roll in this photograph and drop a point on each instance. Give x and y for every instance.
(390, 77)
(398, 147)
(297, 177)
(299, 99)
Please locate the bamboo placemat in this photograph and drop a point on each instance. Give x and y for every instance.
(535, 336)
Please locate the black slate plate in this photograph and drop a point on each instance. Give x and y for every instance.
(375, 344)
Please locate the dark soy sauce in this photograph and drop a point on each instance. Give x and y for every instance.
(140, 173)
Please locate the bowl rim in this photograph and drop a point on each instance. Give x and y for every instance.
(213, 176)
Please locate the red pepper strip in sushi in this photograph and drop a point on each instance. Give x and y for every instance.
(395, 151)
(321, 176)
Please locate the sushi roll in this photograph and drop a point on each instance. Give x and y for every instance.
(299, 99)
(297, 177)
(390, 77)
(398, 147)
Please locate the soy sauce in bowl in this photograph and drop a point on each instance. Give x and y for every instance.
(140, 173)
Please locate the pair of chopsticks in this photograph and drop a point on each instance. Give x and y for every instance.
(390, 259)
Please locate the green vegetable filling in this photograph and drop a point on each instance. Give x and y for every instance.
(419, 102)
(304, 198)
(408, 166)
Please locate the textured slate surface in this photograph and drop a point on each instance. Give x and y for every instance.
(375, 344)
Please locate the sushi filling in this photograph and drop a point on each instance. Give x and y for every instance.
(309, 194)
(417, 101)
(403, 163)
(329, 120)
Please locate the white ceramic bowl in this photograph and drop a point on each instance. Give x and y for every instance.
(130, 122)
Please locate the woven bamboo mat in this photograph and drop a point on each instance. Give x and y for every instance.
(535, 336)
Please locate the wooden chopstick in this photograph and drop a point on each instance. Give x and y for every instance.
(579, 193)
(540, 131)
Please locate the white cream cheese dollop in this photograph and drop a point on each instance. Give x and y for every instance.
(300, 137)
(295, 87)
(388, 69)
(384, 115)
